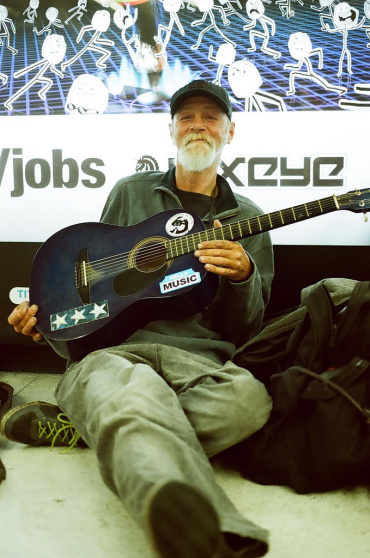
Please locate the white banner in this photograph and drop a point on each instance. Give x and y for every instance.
(58, 170)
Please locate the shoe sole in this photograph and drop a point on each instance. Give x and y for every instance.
(2, 472)
(183, 523)
(6, 395)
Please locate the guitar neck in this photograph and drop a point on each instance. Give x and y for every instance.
(253, 226)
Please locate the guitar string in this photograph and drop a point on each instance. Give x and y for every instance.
(115, 262)
(151, 253)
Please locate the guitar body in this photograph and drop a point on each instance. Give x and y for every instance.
(96, 284)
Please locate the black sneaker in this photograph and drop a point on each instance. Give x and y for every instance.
(184, 524)
(6, 394)
(2, 472)
(39, 424)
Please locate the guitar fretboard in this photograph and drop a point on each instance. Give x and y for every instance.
(252, 226)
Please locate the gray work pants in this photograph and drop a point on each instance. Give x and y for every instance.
(155, 413)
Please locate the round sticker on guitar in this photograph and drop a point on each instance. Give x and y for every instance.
(179, 224)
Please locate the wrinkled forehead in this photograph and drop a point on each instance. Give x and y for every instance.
(199, 102)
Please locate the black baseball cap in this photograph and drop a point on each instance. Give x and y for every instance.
(203, 88)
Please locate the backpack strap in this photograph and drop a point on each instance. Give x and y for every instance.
(356, 367)
(352, 327)
(311, 350)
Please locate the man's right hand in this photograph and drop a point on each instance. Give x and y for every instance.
(23, 319)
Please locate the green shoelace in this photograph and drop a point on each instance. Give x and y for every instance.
(66, 432)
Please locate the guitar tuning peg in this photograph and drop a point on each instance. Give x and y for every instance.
(365, 217)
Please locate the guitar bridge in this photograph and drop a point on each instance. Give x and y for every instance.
(82, 281)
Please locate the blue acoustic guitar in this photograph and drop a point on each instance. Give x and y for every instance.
(96, 284)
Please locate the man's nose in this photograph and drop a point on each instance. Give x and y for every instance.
(197, 123)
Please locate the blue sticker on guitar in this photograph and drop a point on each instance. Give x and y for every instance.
(80, 315)
(179, 280)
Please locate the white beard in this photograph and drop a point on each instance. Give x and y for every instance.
(195, 157)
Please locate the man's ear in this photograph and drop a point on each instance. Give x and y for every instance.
(231, 132)
(171, 134)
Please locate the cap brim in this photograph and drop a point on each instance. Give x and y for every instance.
(201, 92)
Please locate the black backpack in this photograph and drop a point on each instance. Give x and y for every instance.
(315, 363)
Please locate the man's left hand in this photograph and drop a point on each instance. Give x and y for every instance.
(225, 257)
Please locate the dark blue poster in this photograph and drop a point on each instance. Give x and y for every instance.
(89, 56)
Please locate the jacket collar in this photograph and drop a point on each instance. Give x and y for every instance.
(226, 205)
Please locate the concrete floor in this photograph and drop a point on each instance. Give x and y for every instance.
(53, 504)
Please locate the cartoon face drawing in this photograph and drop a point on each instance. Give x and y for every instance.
(87, 95)
(367, 9)
(225, 54)
(255, 9)
(325, 3)
(101, 20)
(52, 14)
(172, 5)
(299, 45)
(54, 48)
(3, 13)
(244, 79)
(205, 5)
(122, 18)
(345, 16)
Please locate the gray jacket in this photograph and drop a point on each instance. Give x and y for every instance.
(236, 313)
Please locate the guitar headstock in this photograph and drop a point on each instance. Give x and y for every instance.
(356, 200)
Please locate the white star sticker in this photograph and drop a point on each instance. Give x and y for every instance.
(78, 315)
(60, 320)
(98, 310)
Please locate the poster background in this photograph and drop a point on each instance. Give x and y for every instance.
(141, 74)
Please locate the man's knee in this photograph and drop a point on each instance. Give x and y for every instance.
(252, 406)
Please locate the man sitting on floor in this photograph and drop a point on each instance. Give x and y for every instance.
(156, 407)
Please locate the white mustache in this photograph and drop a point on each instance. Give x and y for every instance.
(194, 137)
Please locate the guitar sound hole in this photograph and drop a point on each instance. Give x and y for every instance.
(150, 257)
(149, 264)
